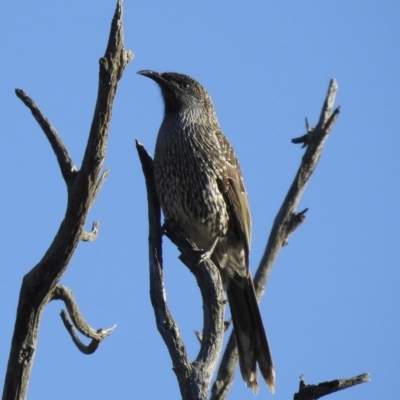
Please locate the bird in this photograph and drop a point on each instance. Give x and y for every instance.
(200, 188)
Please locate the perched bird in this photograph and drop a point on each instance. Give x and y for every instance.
(200, 187)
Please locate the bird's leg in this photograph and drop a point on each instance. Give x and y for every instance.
(194, 256)
(205, 254)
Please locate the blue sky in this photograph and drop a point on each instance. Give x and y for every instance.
(332, 303)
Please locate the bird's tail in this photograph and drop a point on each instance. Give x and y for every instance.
(252, 342)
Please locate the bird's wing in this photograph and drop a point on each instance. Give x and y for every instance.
(232, 186)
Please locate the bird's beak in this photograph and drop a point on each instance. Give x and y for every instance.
(157, 77)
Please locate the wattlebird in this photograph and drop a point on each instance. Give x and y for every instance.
(200, 188)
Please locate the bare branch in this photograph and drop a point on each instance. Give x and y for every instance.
(112, 66)
(68, 169)
(166, 325)
(209, 281)
(91, 236)
(282, 227)
(314, 392)
(194, 379)
(65, 294)
(39, 283)
(90, 348)
(286, 221)
(226, 370)
(62, 293)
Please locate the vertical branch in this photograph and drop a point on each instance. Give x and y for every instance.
(193, 378)
(166, 325)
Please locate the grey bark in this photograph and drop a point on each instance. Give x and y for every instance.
(39, 285)
(193, 377)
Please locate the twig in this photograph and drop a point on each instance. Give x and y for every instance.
(64, 294)
(282, 227)
(68, 169)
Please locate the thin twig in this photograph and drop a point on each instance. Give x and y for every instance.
(282, 228)
(85, 349)
(68, 169)
(63, 293)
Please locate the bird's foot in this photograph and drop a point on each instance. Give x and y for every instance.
(195, 256)
(205, 254)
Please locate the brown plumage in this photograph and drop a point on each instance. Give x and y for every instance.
(200, 187)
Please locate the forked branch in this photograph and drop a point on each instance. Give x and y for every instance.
(62, 293)
(38, 285)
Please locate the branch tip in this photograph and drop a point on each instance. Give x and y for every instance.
(67, 167)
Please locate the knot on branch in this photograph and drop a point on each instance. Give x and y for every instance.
(294, 221)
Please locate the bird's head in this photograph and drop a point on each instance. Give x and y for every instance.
(181, 93)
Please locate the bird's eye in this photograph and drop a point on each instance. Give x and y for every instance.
(184, 85)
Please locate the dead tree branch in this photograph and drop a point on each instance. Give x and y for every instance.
(193, 378)
(38, 285)
(68, 169)
(286, 221)
(62, 293)
(314, 392)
